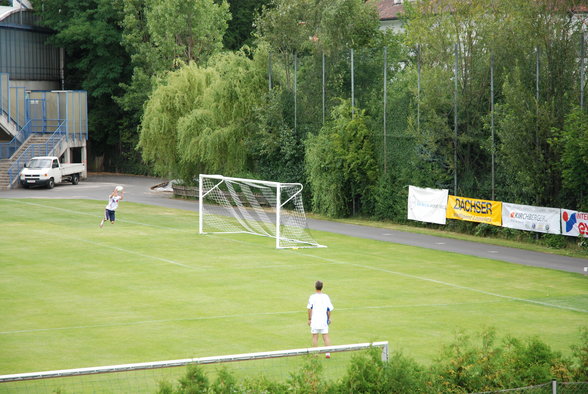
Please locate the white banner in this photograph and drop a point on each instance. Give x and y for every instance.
(525, 217)
(574, 223)
(427, 205)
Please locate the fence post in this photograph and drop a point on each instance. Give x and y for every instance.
(352, 84)
(385, 108)
(553, 386)
(455, 75)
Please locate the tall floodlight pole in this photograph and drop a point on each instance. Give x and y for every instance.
(418, 87)
(492, 117)
(295, 90)
(455, 74)
(324, 91)
(269, 70)
(385, 107)
(582, 67)
(537, 70)
(352, 86)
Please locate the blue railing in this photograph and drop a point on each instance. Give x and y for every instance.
(44, 149)
(33, 126)
(7, 149)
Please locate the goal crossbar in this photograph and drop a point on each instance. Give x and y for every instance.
(187, 361)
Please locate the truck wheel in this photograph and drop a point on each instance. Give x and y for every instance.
(75, 179)
(51, 184)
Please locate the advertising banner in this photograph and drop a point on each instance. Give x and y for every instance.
(474, 210)
(525, 217)
(427, 205)
(574, 223)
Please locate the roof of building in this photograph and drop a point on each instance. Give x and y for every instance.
(389, 9)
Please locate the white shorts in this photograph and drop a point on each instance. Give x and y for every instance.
(319, 330)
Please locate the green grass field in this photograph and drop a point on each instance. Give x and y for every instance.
(150, 288)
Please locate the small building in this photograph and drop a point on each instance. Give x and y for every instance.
(37, 117)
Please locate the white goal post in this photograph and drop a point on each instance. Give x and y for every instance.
(238, 205)
(200, 361)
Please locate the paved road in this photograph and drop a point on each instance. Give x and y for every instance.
(138, 189)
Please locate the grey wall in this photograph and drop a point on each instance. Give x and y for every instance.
(23, 52)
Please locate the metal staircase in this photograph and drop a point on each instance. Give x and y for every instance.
(8, 167)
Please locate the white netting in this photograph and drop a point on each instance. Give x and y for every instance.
(271, 209)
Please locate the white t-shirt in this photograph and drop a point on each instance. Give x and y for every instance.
(320, 304)
(113, 203)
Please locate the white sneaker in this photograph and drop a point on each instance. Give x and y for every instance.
(102, 223)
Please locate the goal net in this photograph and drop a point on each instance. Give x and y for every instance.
(271, 209)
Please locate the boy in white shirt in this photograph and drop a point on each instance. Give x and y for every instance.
(319, 315)
(113, 200)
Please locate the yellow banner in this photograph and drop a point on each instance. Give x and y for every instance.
(473, 210)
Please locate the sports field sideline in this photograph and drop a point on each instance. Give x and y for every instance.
(150, 288)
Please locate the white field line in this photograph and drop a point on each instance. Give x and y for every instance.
(102, 245)
(391, 272)
(96, 215)
(234, 316)
(367, 267)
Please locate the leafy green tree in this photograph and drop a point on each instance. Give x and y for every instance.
(513, 33)
(241, 26)
(572, 141)
(341, 164)
(200, 119)
(96, 61)
(162, 35)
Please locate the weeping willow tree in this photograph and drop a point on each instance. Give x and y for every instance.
(200, 119)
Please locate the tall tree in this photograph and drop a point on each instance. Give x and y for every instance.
(202, 119)
(162, 35)
(241, 27)
(89, 32)
(516, 33)
(341, 164)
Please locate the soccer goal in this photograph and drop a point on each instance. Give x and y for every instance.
(271, 209)
(146, 377)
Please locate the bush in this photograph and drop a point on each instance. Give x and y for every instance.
(465, 365)
(309, 378)
(555, 241)
(367, 373)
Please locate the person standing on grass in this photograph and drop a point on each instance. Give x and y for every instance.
(113, 200)
(319, 315)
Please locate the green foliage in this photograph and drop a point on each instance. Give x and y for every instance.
(367, 373)
(199, 119)
(581, 357)
(572, 141)
(340, 165)
(317, 25)
(225, 382)
(96, 61)
(464, 365)
(511, 32)
(240, 28)
(309, 378)
(161, 36)
(195, 381)
(555, 241)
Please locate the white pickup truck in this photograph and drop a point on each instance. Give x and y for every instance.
(47, 171)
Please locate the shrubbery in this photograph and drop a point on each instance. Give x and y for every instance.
(463, 366)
